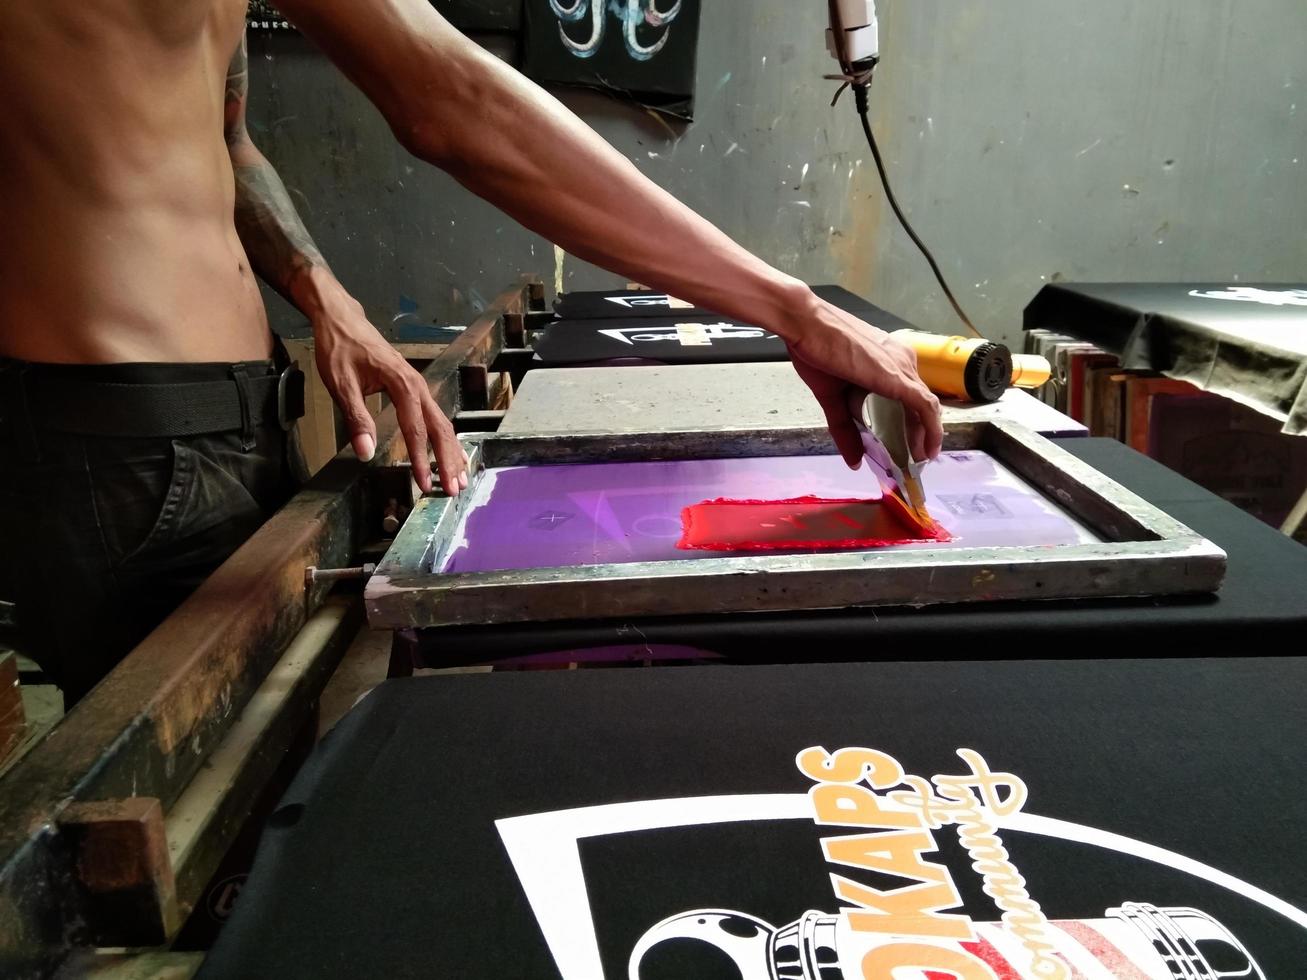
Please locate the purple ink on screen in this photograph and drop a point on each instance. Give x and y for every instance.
(620, 513)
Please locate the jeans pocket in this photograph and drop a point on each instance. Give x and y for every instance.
(207, 513)
(165, 523)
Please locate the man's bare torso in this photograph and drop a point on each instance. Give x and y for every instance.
(116, 190)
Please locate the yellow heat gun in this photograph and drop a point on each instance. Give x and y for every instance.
(972, 368)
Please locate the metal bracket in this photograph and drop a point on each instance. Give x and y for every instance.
(535, 292)
(474, 387)
(537, 320)
(514, 363)
(122, 867)
(313, 575)
(478, 421)
(514, 330)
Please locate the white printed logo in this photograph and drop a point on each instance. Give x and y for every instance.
(1134, 940)
(1251, 294)
(687, 334)
(652, 299)
(904, 921)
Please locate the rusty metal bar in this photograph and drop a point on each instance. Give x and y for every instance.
(206, 818)
(146, 729)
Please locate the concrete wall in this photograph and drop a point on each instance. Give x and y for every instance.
(1030, 141)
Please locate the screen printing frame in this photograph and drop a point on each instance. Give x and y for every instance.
(1144, 552)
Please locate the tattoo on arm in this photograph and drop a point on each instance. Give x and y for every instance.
(279, 246)
(238, 90)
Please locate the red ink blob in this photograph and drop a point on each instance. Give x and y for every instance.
(803, 522)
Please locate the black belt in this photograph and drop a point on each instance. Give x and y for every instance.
(99, 408)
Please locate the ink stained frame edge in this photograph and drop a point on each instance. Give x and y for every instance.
(1145, 552)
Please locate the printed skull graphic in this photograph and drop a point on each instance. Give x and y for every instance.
(1137, 938)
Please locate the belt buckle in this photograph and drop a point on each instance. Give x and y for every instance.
(290, 396)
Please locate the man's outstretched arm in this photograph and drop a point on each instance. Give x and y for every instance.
(451, 103)
(353, 358)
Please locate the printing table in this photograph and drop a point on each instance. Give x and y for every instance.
(693, 396)
(625, 326)
(1246, 341)
(714, 820)
(659, 824)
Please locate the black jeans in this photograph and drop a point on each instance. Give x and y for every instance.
(101, 538)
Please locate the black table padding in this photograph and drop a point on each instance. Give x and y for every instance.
(1247, 341)
(675, 340)
(384, 859)
(623, 326)
(607, 304)
(1261, 608)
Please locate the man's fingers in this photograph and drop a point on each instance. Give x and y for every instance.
(842, 427)
(849, 443)
(358, 420)
(934, 424)
(408, 409)
(927, 434)
(450, 458)
(897, 380)
(425, 427)
(916, 437)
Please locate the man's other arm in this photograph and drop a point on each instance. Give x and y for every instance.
(353, 358)
(450, 103)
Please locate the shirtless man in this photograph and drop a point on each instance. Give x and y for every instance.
(139, 419)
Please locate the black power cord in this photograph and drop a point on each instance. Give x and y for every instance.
(861, 101)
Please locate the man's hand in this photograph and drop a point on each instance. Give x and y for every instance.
(843, 359)
(356, 361)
